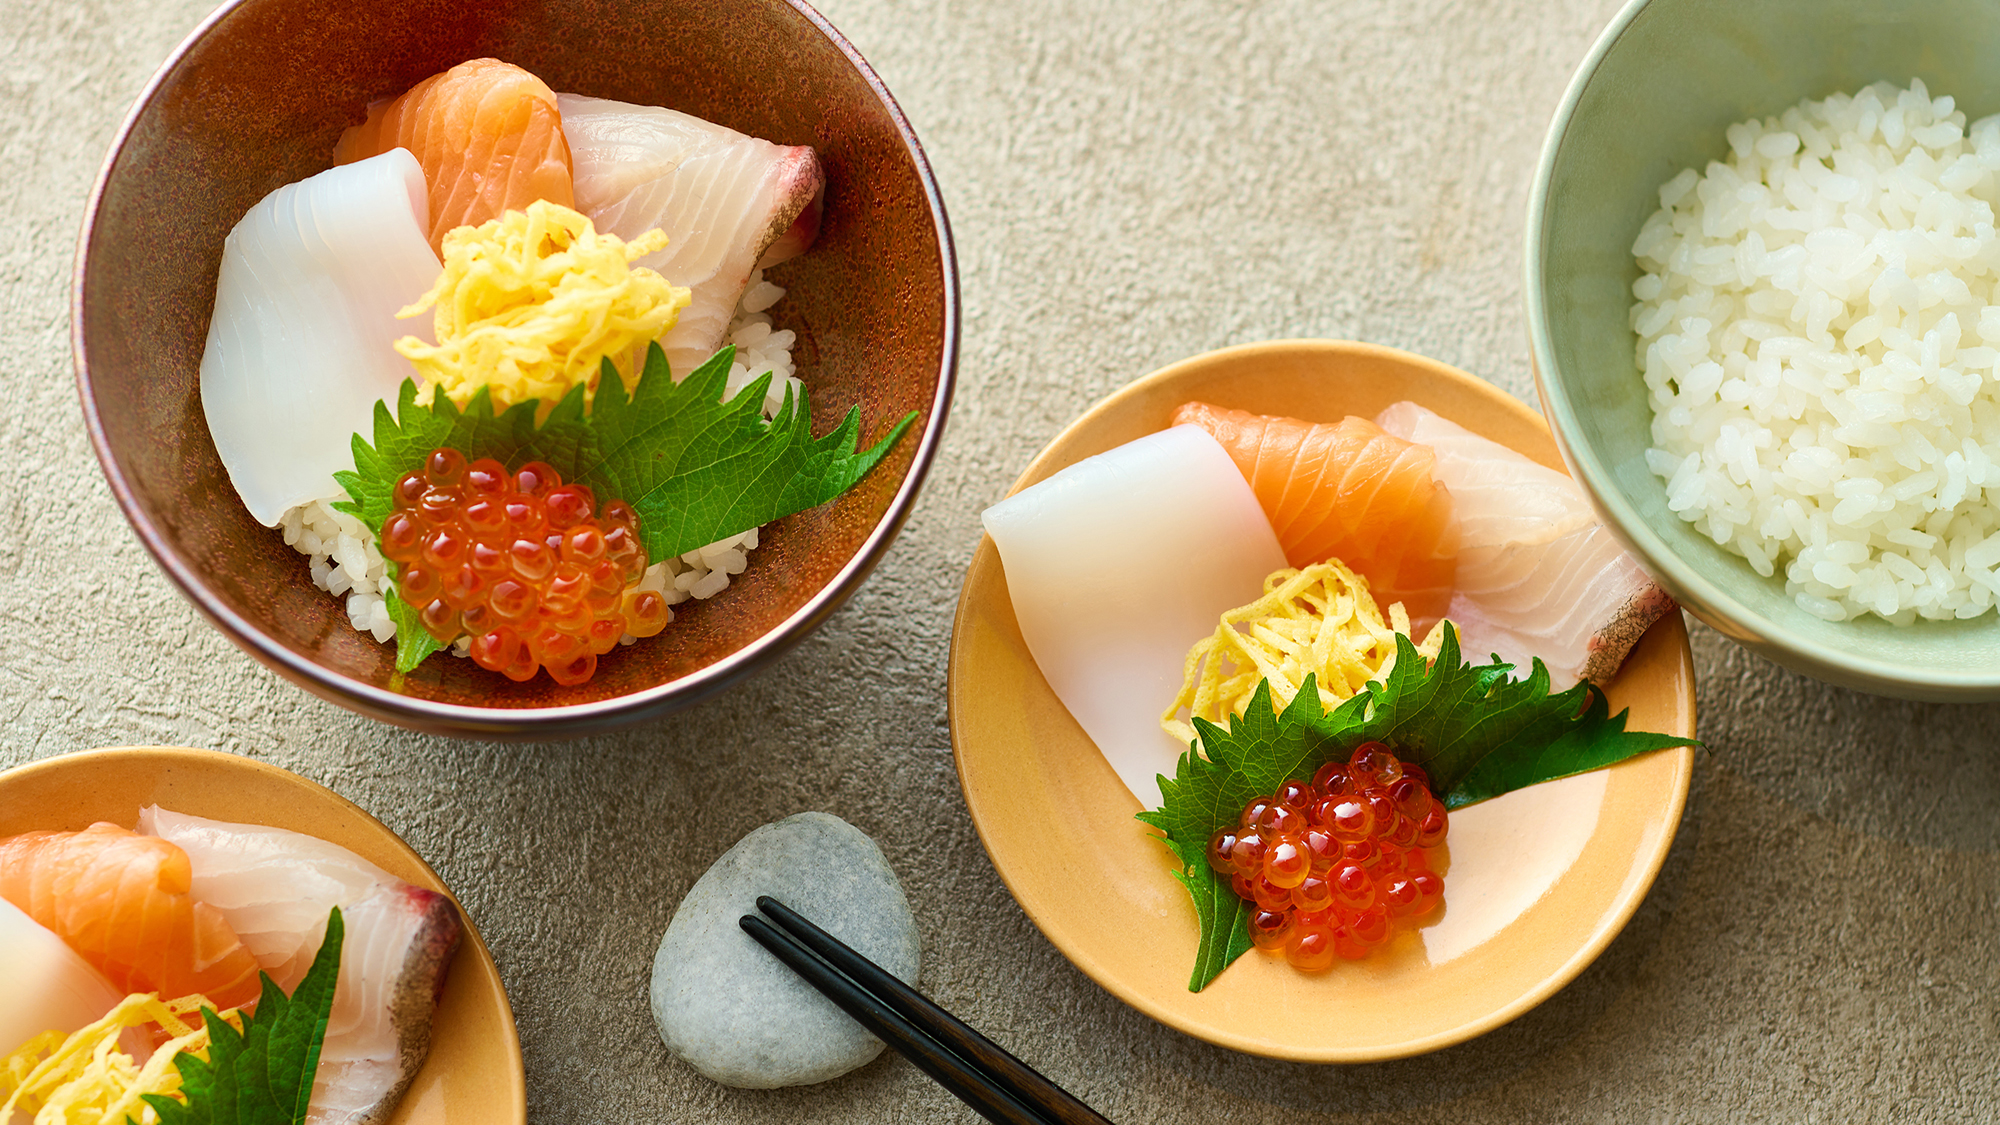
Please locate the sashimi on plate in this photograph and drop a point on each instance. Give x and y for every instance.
(1111, 636)
(1327, 722)
(1538, 575)
(1537, 879)
(164, 913)
(276, 888)
(1346, 490)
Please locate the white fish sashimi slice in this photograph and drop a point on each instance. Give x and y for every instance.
(301, 342)
(1538, 575)
(1116, 566)
(276, 888)
(728, 203)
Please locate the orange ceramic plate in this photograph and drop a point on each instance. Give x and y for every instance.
(474, 1069)
(1539, 881)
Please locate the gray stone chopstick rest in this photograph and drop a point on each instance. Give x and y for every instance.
(732, 1010)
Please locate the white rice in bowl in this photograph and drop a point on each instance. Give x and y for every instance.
(1819, 331)
(347, 564)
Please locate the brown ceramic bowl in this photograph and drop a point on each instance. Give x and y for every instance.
(256, 98)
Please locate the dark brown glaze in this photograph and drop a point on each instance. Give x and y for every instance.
(257, 98)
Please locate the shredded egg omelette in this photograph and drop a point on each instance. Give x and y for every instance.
(1318, 621)
(530, 303)
(85, 1077)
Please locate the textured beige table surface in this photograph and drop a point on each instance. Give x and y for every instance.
(1129, 184)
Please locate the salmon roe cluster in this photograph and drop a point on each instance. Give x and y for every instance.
(1335, 868)
(520, 562)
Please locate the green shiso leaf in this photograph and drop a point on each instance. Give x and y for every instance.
(1592, 740)
(698, 469)
(1258, 751)
(1223, 915)
(1476, 732)
(1479, 733)
(263, 1076)
(694, 467)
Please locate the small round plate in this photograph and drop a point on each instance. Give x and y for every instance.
(1539, 881)
(474, 1069)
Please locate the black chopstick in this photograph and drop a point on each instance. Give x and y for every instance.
(968, 1084)
(1018, 1078)
(932, 1034)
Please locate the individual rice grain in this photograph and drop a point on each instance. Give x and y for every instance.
(1819, 333)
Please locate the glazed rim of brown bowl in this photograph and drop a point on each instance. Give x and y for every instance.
(563, 718)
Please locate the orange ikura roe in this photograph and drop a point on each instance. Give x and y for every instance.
(1335, 868)
(520, 562)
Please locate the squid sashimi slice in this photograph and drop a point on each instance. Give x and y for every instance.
(1345, 490)
(278, 887)
(300, 346)
(1117, 565)
(124, 903)
(1538, 576)
(728, 203)
(488, 135)
(49, 987)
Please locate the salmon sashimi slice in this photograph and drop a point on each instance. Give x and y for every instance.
(122, 901)
(277, 887)
(729, 204)
(488, 134)
(1538, 575)
(1346, 490)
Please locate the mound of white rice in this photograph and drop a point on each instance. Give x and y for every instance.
(1819, 329)
(346, 563)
